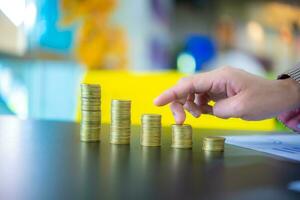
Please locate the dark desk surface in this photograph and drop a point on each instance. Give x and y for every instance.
(45, 160)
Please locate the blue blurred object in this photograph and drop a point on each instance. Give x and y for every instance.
(202, 48)
(51, 35)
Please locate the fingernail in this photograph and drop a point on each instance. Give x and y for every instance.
(175, 116)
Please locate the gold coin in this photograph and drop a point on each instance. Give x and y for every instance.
(213, 143)
(91, 119)
(90, 108)
(90, 85)
(214, 138)
(90, 96)
(126, 141)
(119, 132)
(181, 136)
(155, 124)
(151, 133)
(120, 127)
(120, 101)
(90, 100)
(150, 130)
(151, 117)
(90, 113)
(91, 105)
(89, 131)
(90, 89)
(90, 136)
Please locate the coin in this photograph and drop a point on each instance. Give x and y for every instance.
(182, 136)
(90, 112)
(120, 121)
(150, 130)
(90, 86)
(213, 143)
(90, 108)
(120, 141)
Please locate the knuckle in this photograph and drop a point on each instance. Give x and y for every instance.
(173, 94)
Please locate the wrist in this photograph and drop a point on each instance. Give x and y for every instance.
(291, 92)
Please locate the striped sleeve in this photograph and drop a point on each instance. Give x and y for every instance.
(293, 73)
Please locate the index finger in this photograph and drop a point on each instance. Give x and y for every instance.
(179, 91)
(195, 84)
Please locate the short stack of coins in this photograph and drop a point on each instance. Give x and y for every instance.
(151, 130)
(90, 112)
(213, 143)
(182, 136)
(120, 121)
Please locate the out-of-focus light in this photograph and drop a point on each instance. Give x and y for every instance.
(30, 15)
(18, 101)
(186, 63)
(14, 10)
(255, 31)
(286, 34)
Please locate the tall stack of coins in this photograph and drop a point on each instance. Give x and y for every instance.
(120, 121)
(182, 136)
(90, 112)
(151, 130)
(213, 143)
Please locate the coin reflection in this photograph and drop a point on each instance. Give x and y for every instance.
(150, 161)
(182, 160)
(89, 166)
(118, 170)
(210, 156)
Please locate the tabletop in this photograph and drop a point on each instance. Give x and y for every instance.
(46, 160)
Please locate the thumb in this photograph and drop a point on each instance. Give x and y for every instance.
(229, 107)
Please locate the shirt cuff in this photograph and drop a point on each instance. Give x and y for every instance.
(293, 73)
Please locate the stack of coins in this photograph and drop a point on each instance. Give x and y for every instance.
(90, 112)
(120, 122)
(182, 136)
(213, 143)
(151, 130)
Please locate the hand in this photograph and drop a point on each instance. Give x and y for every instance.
(235, 92)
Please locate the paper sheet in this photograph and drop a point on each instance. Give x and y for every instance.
(287, 146)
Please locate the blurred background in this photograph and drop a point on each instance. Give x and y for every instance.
(47, 47)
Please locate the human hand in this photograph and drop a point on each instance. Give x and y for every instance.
(235, 92)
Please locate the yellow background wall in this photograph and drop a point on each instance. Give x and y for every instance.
(142, 88)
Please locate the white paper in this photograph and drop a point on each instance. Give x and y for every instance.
(287, 146)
